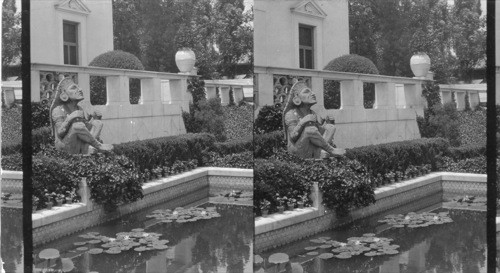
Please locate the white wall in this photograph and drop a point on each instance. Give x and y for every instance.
(95, 30)
(276, 32)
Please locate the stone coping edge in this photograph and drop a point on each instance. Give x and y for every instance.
(59, 213)
(12, 175)
(282, 220)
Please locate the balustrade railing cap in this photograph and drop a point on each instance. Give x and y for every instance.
(336, 75)
(104, 71)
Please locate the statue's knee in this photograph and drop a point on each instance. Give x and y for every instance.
(79, 126)
(311, 130)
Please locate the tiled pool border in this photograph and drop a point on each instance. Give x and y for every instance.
(282, 228)
(12, 181)
(194, 185)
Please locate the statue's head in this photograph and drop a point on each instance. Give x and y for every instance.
(300, 94)
(68, 90)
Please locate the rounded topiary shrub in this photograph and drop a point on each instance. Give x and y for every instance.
(114, 59)
(354, 64)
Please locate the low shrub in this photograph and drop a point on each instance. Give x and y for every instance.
(472, 127)
(11, 130)
(238, 121)
(12, 162)
(277, 178)
(164, 151)
(265, 145)
(467, 165)
(234, 146)
(238, 160)
(399, 156)
(269, 119)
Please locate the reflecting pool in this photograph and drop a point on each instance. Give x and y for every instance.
(12, 239)
(457, 246)
(143, 243)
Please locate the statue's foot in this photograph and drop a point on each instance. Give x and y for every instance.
(105, 147)
(334, 151)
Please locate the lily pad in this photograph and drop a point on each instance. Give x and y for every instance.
(113, 251)
(325, 246)
(95, 251)
(310, 248)
(278, 258)
(312, 253)
(317, 241)
(83, 248)
(325, 256)
(49, 253)
(257, 259)
(80, 243)
(94, 241)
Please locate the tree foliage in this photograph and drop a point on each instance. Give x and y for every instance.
(219, 32)
(389, 32)
(11, 34)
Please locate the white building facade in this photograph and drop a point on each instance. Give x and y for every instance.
(70, 31)
(300, 34)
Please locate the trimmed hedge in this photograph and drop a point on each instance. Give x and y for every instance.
(467, 165)
(399, 156)
(352, 63)
(234, 146)
(164, 151)
(345, 183)
(113, 179)
(349, 63)
(468, 151)
(114, 59)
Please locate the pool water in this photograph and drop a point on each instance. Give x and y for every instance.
(12, 239)
(222, 244)
(459, 246)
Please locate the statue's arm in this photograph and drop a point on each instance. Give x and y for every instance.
(294, 126)
(62, 123)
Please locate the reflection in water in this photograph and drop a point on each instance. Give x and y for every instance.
(12, 239)
(215, 245)
(455, 247)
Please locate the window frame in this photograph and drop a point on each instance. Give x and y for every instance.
(303, 49)
(68, 45)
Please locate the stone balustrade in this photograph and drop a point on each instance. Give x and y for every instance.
(458, 92)
(157, 114)
(239, 86)
(398, 101)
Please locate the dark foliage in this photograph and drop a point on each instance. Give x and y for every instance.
(269, 119)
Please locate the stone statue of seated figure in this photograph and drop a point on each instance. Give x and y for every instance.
(75, 129)
(307, 134)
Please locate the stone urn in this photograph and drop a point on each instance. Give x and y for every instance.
(185, 59)
(420, 63)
